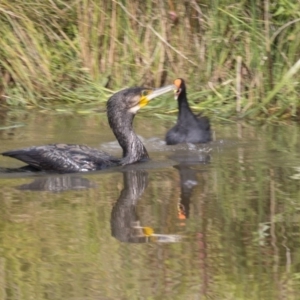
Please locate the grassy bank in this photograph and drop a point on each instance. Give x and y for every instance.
(238, 58)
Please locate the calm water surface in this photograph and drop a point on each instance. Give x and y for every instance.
(215, 222)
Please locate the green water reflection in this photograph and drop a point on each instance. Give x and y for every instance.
(80, 237)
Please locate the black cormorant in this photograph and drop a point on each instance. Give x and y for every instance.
(189, 128)
(67, 158)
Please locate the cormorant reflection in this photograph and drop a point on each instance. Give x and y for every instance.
(125, 224)
(57, 184)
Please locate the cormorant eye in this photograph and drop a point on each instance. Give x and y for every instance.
(145, 93)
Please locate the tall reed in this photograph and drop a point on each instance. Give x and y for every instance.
(238, 58)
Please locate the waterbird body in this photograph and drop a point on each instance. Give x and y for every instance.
(189, 128)
(67, 158)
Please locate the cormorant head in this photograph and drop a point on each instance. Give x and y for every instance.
(132, 99)
(180, 87)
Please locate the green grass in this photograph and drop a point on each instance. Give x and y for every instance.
(240, 59)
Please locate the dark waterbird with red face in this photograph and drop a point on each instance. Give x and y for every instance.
(68, 158)
(189, 128)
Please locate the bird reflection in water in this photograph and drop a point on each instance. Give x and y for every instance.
(188, 168)
(125, 223)
(58, 184)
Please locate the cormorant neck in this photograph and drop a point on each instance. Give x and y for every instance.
(133, 148)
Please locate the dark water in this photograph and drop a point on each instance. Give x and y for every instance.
(219, 222)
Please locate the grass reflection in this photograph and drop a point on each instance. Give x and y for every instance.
(241, 232)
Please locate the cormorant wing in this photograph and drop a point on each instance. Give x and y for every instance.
(63, 158)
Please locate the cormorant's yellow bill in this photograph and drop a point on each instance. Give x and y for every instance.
(148, 231)
(148, 95)
(159, 238)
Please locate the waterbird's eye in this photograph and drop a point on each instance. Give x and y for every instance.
(145, 93)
